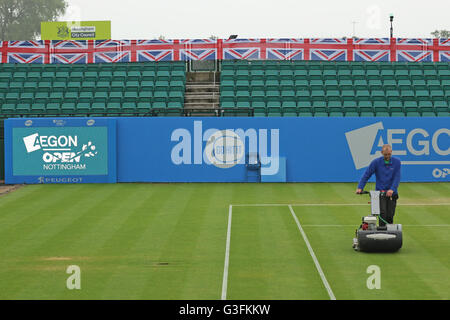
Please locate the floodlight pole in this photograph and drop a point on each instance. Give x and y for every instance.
(391, 17)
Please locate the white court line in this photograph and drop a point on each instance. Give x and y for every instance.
(331, 204)
(227, 255)
(311, 252)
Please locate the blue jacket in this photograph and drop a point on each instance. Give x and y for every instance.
(387, 175)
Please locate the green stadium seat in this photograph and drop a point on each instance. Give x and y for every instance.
(320, 114)
(444, 74)
(330, 74)
(73, 86)
(437, 94)
(402, 75)
(419, 85)
(56, 97)
(287, 85)
(242, 85)
(351, 114)
(38, 108)
(428, 114)
(53, 109)
(318, 95)
(367, 114)
(259, 112)
(105, 76)
(314, 74)
(23, 108)
(422, 95)
(5, 77)
(300, 74)
(333, 95)
(142, 107)
(398, 114)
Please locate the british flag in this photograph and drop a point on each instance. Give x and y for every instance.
(155, 50)
(371, 49)
(69, 52)
(414, 50)
(109, 51)
(23, 51)
(285, 49)
(444, 54)
(242, 49)
(330, 49)
(198, 49)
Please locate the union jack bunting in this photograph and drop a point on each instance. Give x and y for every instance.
(371, 49)
(285, 49)
(69, 52)
(23, 52)
(327, 49)
(248, 49)
(444, 55)
(198, 49)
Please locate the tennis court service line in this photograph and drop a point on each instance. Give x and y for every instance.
(331, 204)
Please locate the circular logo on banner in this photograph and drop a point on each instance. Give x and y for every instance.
(90, 122)
(224, 149)
(28, 123)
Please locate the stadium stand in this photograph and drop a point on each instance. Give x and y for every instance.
(316, 88)
(92, 89)
(247, 87)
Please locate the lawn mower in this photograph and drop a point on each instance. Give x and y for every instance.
(370, 237)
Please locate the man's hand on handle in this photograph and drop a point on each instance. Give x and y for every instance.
(389, 193)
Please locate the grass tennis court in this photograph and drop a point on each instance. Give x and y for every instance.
(169, 241)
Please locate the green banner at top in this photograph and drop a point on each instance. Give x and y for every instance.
(76, 30)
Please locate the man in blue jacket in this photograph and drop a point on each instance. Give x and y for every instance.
(387, 173)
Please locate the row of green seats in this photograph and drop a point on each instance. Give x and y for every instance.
(336, 73)
(86, 86)
(411, 105)
(300, 75)
(168, 91)
(90, 97)
(433, 90)
(435, 95)
(330, 65)
(68, 109)
(324, 112)
(338, 82)
(134, 66)
(91, 76)
(442, 105)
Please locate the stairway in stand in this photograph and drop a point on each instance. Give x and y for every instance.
(202, 94)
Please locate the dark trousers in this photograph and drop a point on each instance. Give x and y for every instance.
(387, 209)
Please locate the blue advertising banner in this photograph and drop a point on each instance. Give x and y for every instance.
(185, 149)
(60, 150)
(316, 149)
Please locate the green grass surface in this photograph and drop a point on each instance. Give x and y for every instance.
(167, 241)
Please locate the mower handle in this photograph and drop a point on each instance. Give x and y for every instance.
(364, 192)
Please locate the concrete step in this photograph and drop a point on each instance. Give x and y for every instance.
(193, 105)
(201, 95)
